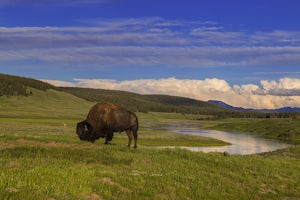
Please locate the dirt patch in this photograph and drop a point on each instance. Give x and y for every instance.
(6, 145)
(12, 164)
(265, 190)
(30, 143)
(93, 196)
(112, 183)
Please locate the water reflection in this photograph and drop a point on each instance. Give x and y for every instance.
(241, 143)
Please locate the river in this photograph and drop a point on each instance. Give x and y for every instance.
(241, 143)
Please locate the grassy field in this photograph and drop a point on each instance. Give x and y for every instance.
(58, 170)
(42, 158)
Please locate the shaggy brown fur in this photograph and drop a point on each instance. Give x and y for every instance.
(106, 118)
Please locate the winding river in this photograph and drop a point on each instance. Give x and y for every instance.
(241, 143)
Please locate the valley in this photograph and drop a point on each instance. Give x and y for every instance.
(41, 156)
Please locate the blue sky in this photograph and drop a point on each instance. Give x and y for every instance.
(246, 53)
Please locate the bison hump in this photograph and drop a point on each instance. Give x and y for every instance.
(100, 114)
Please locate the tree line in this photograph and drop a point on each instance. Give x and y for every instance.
(15, 85)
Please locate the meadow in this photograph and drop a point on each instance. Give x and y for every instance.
(42, 158)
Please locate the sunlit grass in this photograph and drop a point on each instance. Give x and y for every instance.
(41, 157)
(57, 130)
(46, 160)
(116, 172)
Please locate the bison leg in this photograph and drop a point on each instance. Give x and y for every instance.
(130, 135)
(109, 136)
(106, 139)
(135, 138)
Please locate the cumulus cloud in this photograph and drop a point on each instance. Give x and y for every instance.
(247, 96)
(284, 87)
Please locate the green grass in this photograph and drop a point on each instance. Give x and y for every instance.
(44, 104)
(57, 130)
(116, 172)
(52, 116)
(42, 158)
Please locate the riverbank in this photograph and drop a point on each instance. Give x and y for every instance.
(285, 130)
(282, 129)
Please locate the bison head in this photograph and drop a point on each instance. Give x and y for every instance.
(84, 131)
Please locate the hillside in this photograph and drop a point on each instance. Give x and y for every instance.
(44, 104)
(19, 92)
(146, 103)
(15, 85)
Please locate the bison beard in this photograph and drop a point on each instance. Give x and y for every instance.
(104, 119)
(84, 132)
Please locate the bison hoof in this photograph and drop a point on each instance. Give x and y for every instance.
(133, 147)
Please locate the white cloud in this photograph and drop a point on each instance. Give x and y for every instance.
(284, 87)
(148, 42)
(285, 83)
(61, 83)
(157, 56)
(247, 96)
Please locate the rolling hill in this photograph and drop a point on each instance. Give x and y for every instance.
(20, 92)
(39, 100)
(146, 103)
(23, 91)
(44, 104)
(15, 85)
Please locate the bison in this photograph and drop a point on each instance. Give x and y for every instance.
(106, 118)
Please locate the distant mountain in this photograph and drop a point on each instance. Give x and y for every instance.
(279, 110)
(225, 105)
(282, 110)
